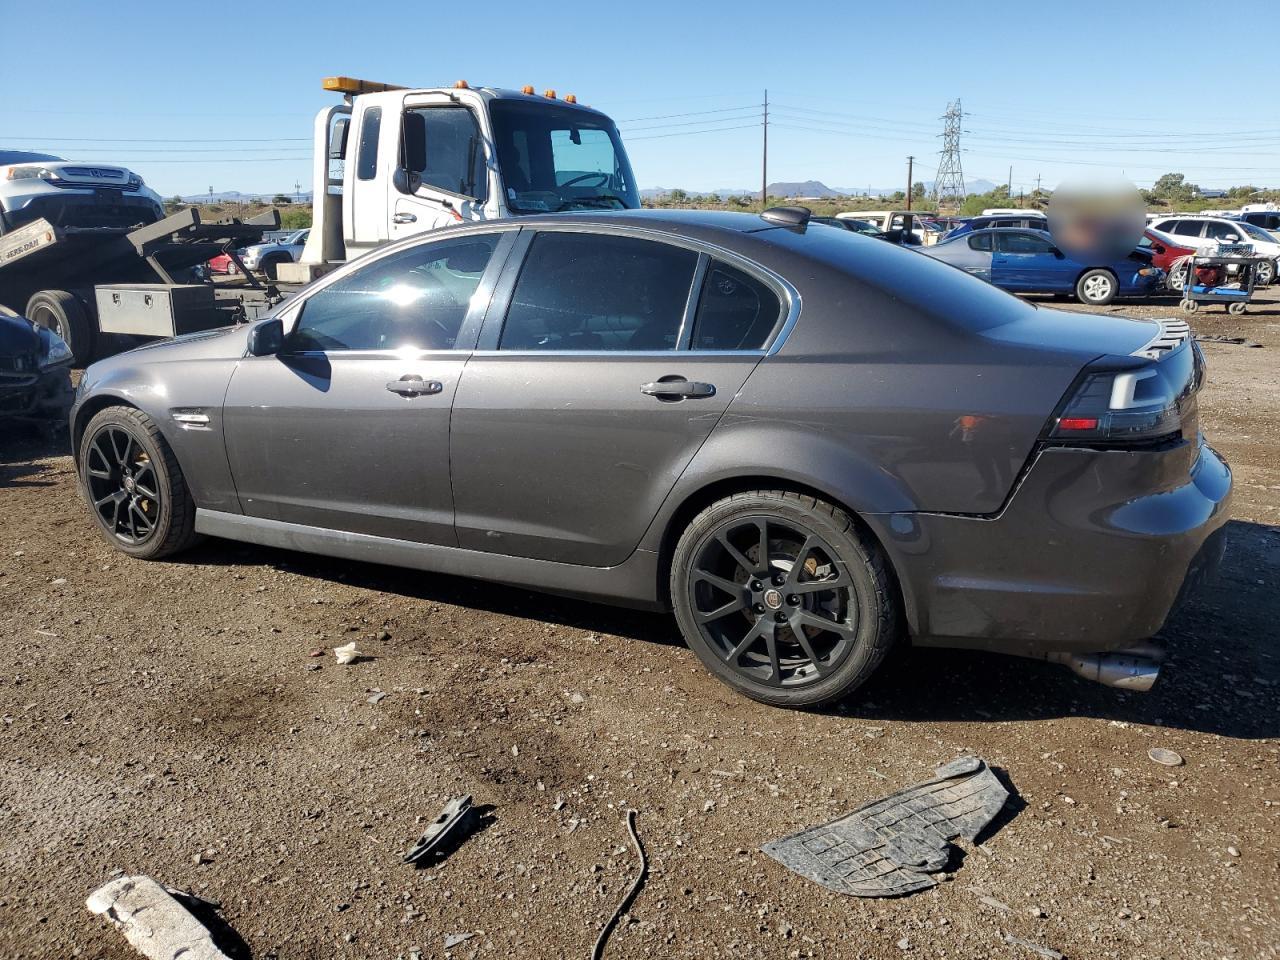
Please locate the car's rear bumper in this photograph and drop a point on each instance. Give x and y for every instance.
(1092, 552)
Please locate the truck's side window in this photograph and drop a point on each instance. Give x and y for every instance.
(415, 299)
(443, 146)
(367, 164)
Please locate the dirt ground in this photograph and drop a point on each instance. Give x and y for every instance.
(167, 719)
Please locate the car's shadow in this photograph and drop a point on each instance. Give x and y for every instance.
(22, 444)
(1222, 674)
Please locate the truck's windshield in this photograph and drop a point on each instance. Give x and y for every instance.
(560, 159)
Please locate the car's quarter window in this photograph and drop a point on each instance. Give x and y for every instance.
(1022, 243)
(980, 241)
(735, 311)
(416, 298)
(590, 292)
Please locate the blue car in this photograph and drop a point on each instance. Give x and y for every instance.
(1027, 261)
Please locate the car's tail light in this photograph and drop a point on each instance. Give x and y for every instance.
(1137, 404)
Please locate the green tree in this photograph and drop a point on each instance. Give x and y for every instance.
(917, 191)
(677, 196)
(1174, 186)
(295, 218)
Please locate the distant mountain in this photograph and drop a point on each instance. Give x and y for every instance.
(813, 188)
(235, 196)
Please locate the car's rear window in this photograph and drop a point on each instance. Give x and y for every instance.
(946, 292)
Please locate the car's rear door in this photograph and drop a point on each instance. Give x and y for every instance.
(603, 365)
(1027, 262)
(347, 427)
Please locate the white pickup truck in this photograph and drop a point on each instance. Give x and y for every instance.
(38, 186)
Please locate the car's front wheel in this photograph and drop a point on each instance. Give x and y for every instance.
(1266, 273)
(133, 485)
(1097, 287)
(780, 597)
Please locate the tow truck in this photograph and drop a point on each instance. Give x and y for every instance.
(389, 162)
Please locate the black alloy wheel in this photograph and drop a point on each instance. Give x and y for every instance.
(123, 485)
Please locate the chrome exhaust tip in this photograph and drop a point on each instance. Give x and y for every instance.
(1133, 669)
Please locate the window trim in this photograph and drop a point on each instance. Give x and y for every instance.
(496, 315)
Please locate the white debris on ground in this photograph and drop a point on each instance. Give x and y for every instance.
(347, 653)
(153, 922)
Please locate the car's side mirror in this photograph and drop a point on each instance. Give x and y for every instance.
(1057, 253)
(267, 338)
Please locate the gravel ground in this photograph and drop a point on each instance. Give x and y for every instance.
(168, 719)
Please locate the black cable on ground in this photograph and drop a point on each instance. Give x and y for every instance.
(598, 951)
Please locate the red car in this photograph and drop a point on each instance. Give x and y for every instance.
(1165, 251)
(222, 263)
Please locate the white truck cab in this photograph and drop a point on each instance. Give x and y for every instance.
(392, 162)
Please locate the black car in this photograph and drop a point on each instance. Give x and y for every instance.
(35, 371)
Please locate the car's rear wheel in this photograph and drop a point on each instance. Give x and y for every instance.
(780, 597)
(64, 314)
(1266, 273)
(1177, 278)
(1096, 287)
(271, 267)
(133, 485)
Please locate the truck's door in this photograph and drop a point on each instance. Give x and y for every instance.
(441, 156)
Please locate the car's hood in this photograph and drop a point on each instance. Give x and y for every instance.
(224, 343)
(18, 338)
(1078, 333)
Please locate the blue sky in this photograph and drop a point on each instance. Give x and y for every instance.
(1056, 91)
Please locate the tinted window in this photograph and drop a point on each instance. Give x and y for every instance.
(1022, 243)
(735, 311)
(581, 291)
(1222, 231)
(367, 164)
(443, 146)
(415, 298)
(1187, 228)
(979, 241)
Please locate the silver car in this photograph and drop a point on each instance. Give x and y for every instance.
(810, 445)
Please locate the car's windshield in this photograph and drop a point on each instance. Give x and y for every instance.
(560, 159)
(1257, 232)
(22, 156)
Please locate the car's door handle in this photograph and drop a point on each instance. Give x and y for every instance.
(678, 388)
(415, 386)
(404, 218)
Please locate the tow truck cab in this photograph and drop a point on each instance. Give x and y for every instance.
(391, 162)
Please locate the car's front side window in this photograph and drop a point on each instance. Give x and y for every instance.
(1223, 231)
(414, 299)
(735, 311)
(592, 292)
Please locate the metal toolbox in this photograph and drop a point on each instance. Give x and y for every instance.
(156, 309)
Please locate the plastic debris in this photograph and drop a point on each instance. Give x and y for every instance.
(1048, 952)
(454, 939)
(454, 813)
(347, 653)
(889, 846)
(1166, 757)
(154, 923)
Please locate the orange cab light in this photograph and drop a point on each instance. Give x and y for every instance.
(549, 94)
(570, 98)
(461, 85)
(527, 89)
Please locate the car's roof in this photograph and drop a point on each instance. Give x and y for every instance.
(25, 156)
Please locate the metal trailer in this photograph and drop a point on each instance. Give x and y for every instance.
(97, 287)
(1234, 296)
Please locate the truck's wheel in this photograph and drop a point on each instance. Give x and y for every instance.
(65, 315)
(780, 597)
(271, 266)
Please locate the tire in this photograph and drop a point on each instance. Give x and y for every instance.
(753, 643)
(65, 315)
(1266, 274)
(122, 453)
(1236, 308)
(1097, 287)
(271, 265)
(1177, 279)
(1188, 306)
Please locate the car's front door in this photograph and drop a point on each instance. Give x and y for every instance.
(347, 427)
(602, 368)
(1028, 262)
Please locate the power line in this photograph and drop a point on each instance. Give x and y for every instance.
(692, 113)
(691, 133)
(948, 186)
(164, 140)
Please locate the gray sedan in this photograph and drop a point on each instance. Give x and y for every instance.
(808, 444)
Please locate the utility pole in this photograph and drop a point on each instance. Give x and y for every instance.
(1010, 181)
(297, 190)
(764, 157)
(910, 161)
(1037, 183)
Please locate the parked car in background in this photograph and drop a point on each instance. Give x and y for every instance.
(1028, 261)
(850, 224)
(892, 223)
(1207, 233)
(264, 258)
(223, 264)
(37, 186)
(1268, 220)
(35, 371)
(1025, 219)
(1165, 253)
(810, 445)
